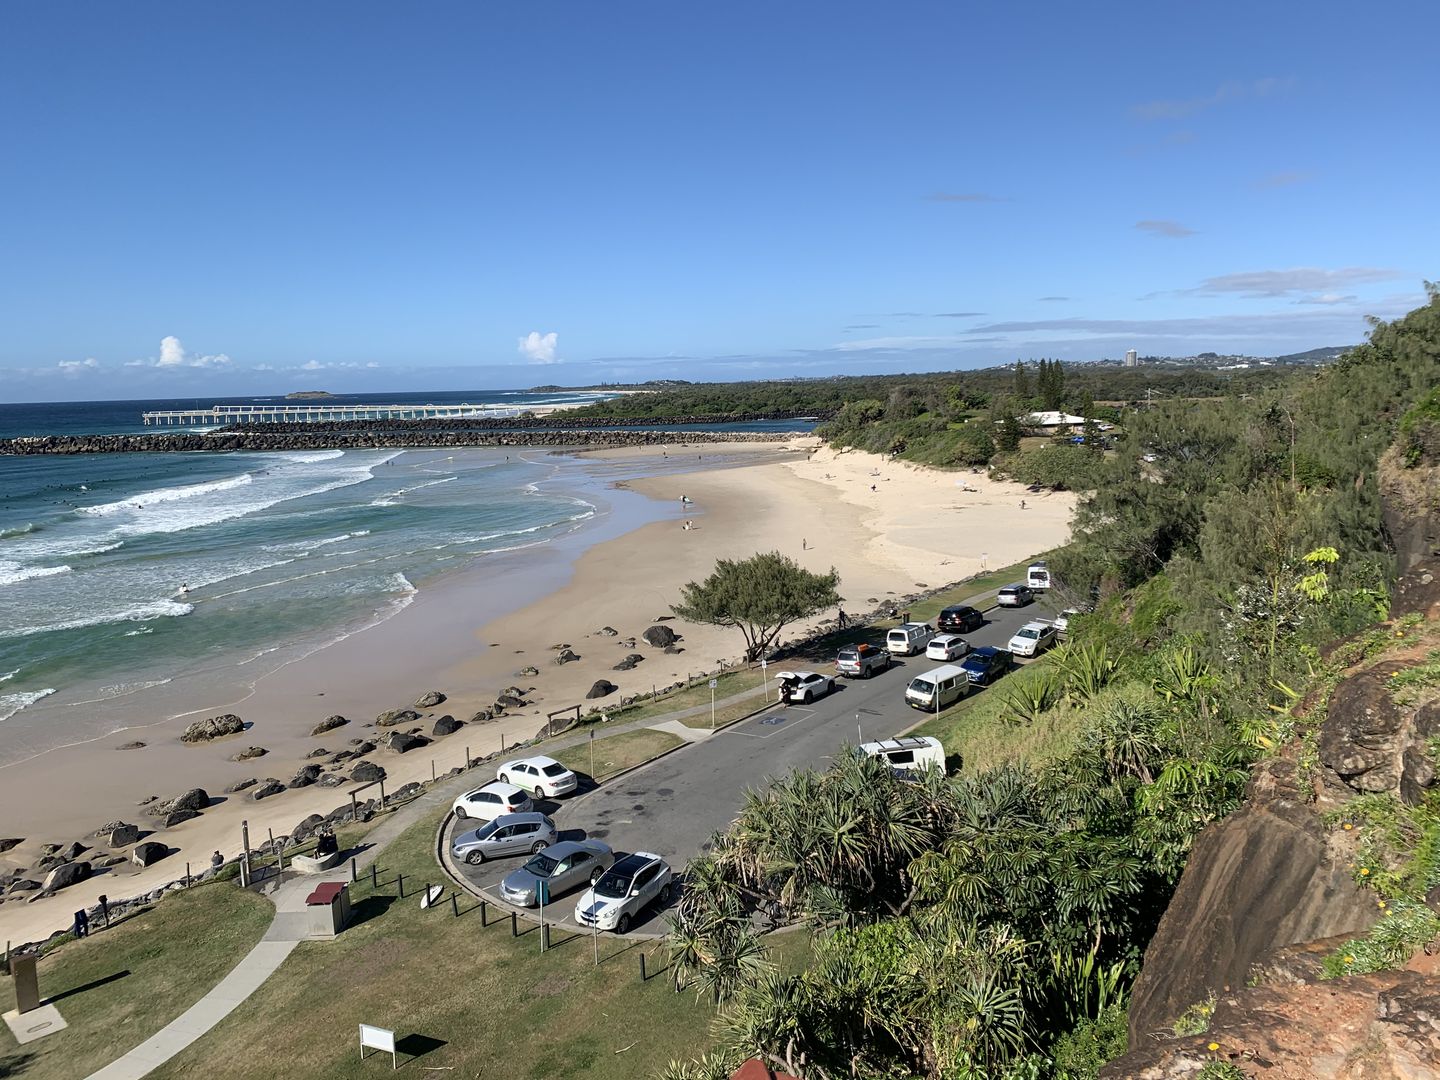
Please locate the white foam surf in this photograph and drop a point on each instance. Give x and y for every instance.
(160, 609)
(165, 495)
(10, 704)
(12, 573)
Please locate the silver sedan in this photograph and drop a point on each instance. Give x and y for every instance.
(509, 834)
(561, 867)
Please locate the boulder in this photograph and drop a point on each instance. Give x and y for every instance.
(131, 746)
(332, 780)
(20, 885)
(429, 699)
(608, 631)
(65, 875)
(152, 851)
(527, 673)
(270, 786)
(241, 785)
(49, 849)
(10, 842)
(307, 775)
(510, 701)
(565, 656)
(660, 636)
(405, 792)
(628, 663)
(306, 828)
(602, 688)
(194, 799)
(123, 836)
(330, 723)
(250, 753)
(319, 751)
(73, 851)
(446, 725)
(674, 649)
(484, 716)
(403, 742)
(215, 727)
(175, 817)
(396, 716)
(364, 747)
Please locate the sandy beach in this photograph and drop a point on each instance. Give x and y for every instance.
(887, 527)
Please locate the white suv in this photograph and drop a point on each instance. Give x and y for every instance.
(1033, 638)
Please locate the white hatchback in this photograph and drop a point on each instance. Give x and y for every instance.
(543, 777)
(947, 647)
(492, 800)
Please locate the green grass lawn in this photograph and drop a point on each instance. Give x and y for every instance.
(731, 683)
(615, 753)
(477, 1002)
(118, 987)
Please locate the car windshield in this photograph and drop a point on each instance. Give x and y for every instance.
(1028, 633)
(487, 831)
(849, 654)
(613, 886)
(554, 770)
(922, 686)
(542, 865)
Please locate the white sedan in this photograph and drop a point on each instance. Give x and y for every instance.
(543, 777)
(946, 647)
(492, 800)
(804, 686)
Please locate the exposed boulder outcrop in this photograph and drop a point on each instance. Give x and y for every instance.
(152, 851)
(367, 772)
(193, 800)
(10, 842)
(65, 875)
(446, 725)
(307, 775)
(660, 636)
(396, 716)
(566, 655)
(122, 835)
(429, 699)
(330, 723)
(602, 688)
(628, 663)
(403, 742)
(1374, 744)
(215, 727)
(269, 786)
(250, 753)
(241, 785)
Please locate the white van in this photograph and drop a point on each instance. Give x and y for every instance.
(909, 638)
(910, 754)
(949, 682)
(1038, 576)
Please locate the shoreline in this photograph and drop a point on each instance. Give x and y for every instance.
(916, 528)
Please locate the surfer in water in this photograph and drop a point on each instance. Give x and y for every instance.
(184, 588)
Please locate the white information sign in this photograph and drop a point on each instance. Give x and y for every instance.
(376, 1038)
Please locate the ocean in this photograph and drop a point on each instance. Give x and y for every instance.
(125, 578)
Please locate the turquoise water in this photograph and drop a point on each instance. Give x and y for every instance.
(119, 573)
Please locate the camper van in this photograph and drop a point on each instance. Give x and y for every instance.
(909, 755)
(1038, 576)
(909, 638)
(949, 682)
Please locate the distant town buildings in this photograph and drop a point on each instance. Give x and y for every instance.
(1132, 359)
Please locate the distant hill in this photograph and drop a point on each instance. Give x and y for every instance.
(309, 395)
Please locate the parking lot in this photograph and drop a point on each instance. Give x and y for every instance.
(673, 806)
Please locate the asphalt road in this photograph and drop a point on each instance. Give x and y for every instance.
(675, 805)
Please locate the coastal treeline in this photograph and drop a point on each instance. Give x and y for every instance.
(990, 923)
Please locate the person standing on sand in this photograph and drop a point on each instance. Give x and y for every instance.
(803, 546)
(844, 620)
(105, 909)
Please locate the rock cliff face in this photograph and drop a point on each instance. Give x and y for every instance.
(1264, 889)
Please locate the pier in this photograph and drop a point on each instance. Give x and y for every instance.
(287, 412)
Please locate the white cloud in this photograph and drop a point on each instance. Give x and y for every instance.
(1162, 227)
(173, 355)
(1303, 279)
(540, 348)
(1226, 94)
(74, 368)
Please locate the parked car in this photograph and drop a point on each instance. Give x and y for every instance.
(947, 647)
(1017, 595)
(804, 686)
(492, 800)
(561, 866)
(543, 776)
(862, 660)
(909, 755)
(1037, 576)
(960, 619)
(909, 638)
(986, 664)
(949, 683)
(625, 890)
(1062, 621)
(508, 834)
(1033, 638)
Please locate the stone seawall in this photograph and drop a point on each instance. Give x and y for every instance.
(289, 439)
(515, 423)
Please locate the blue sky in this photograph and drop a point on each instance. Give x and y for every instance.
(232, 199)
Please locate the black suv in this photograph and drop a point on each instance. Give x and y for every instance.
(960, 619)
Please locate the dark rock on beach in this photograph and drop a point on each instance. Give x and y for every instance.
(65, 875)
(195, 799)
(396, 716)
(123, 835)
(241, 785)
(305, 777)
(10, 842)
(484, 716)
(429, 699)
(216, 727)
(367, 772)
(566, 656)
(175, 817)
(602, 688)
(660, 636)
(446, 725)
(152, 851)
(330, 723)
(628, 663)
(269, 787)
(250, 753)
(319, 751)
(403, 742)
(137, 745)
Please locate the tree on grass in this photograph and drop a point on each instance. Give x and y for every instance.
(761, 595)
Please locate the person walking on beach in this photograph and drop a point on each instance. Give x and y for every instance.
(105, 910)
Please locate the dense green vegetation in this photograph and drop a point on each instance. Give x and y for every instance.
(988, 923)
(759, 596)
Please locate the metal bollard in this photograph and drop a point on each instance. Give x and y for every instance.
(455, 904)
(484, 911)
(374, 879)
(400, 882)
(643, 976)
(353, 871)
(514, 928)
(544, 935)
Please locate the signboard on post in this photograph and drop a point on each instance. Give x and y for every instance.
(376, 1038)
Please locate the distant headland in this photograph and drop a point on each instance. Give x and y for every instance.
(309, 395)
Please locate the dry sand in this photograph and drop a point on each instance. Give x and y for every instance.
(887, 527)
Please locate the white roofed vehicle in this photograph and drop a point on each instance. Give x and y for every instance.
(1038, 576)
(492, 800)
(804, 686)
(625, 890)
(910, 754)
(543, 777)
(1033, 638)
(947, 647)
